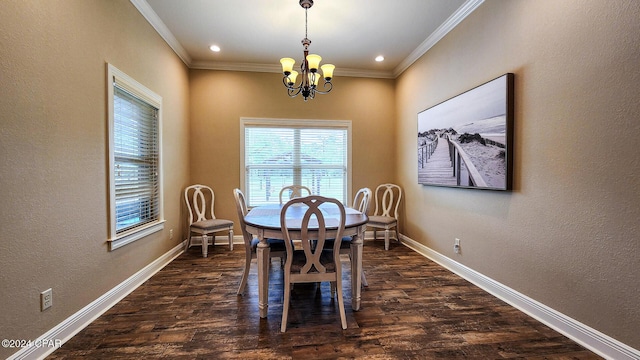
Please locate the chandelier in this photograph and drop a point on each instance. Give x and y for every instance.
(309, 76)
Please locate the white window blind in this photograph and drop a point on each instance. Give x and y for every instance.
(310, 153)
(134, 160)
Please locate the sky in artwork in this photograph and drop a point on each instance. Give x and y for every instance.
(483, 102)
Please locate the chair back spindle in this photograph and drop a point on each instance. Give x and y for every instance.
(313, 263)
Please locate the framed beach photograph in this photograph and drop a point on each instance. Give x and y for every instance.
(466, 141)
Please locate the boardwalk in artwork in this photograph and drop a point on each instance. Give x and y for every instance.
(438, 169)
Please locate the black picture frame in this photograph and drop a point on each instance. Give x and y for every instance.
(467, 140)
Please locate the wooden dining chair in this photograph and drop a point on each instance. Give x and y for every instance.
(362, 200)
(362, 203)
(387, 198)
(293, 191)
(313, 263)
(276, 246)
(199, 199)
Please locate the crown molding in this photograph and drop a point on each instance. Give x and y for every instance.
(378, 74)
(273, 68)
(467, 8)
(145, 9)
(456, 18)
(234, 66)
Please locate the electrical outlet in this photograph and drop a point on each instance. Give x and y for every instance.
(456, 246)
(46, 299)
(170, 234)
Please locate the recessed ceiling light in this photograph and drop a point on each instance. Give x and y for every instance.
(214, 48)
(379, 58)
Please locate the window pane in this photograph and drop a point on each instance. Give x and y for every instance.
(320, 146)
(268, 146)
(264, 184)
(136, 155)
(277, 156)
(326, 182)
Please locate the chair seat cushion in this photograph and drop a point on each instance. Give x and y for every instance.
(299, 260)
(212, 224)
(382, 220)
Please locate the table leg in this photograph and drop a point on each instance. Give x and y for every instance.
(356, 269)
(263, 275)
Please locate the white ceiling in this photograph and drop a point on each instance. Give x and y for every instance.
(254, 35)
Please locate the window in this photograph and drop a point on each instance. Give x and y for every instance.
(313, 153)
(135, 176)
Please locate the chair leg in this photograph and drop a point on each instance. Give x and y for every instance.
(343, 317)
(386, 239)
(397, 235)
(188, 241)
(231, 239)
(245, 273)
(205, 245)
(333, 289)
(285, 306)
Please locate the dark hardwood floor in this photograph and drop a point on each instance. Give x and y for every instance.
(412, 309)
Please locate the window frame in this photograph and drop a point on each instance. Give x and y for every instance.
(301, 124)
(144, 94)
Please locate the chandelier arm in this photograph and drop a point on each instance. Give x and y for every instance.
(285, 82)
(327, 86)
(293, 92)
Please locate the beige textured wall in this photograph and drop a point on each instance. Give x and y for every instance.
(53, 164)
(220, 98)
(567, 235)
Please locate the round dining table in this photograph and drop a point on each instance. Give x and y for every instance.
(264, 223)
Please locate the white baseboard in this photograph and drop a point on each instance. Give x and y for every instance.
(78, 321)
(590, 338)
(582, 334)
